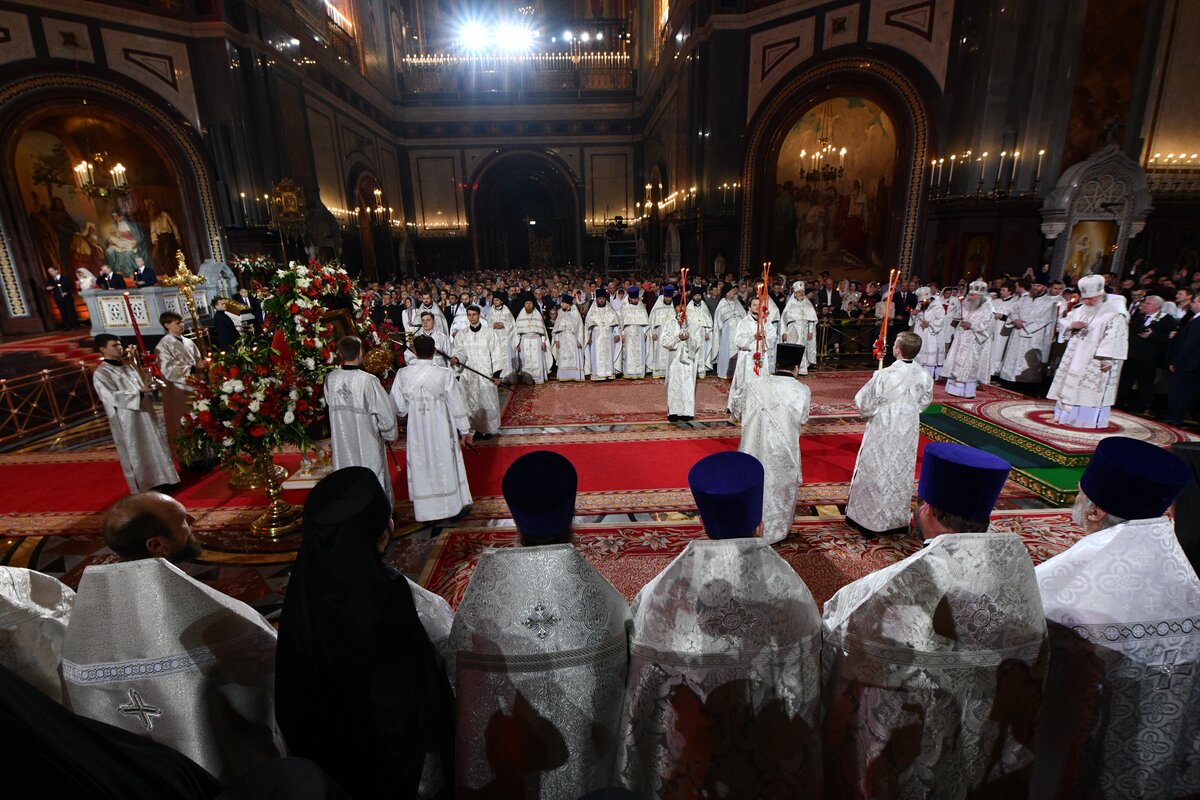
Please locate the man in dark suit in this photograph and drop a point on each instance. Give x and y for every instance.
(1149, 333)
(64, 297)
(1183, 361)
(905, 300)
(1183, 300)
(143, 276)
(225, 330)
(107, 279)
(828, 297)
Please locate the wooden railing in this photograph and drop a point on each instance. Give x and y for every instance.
(52, 399)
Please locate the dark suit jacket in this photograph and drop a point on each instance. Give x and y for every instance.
(829, 297)
(114, 280)
(226, 332)
(63, 288)
(1184, 351)
(145, 276)
(1153, 348)
(904, 303)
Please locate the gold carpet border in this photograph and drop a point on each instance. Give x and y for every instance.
(1025, 443)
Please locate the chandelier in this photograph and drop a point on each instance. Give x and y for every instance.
(91, 175)
(821, 167)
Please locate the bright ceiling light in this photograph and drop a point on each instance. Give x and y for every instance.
(514, 38)
(599, 37)
(567, 36)
(584, 37)
(473, 37)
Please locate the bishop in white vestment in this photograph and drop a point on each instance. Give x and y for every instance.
(634, 324)
(478, 347)
(430, 397)
(723, 697)
(681, 371)
(928, 320)
(892, 401)
(800, 324)
(569, 337)
(534, 354)
(969, 361)
(361, 416)
(933, 666)
(1121, 606)
(776, 407)
(1031, 320)
(1097, 336)
(34, 611)
(730, 311)
(139, 437)
(602, 332)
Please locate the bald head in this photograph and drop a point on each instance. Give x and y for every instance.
(150, 525)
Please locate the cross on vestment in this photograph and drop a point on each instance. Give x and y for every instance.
(541, 620)
(344, 392)
(1168, 669)
(137, 708)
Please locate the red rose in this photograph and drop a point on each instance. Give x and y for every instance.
(206, 417)
(295, 309)
(234, 372)
(258, 431)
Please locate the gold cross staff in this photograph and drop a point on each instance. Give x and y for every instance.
(186, 282)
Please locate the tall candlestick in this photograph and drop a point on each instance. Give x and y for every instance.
(950, 182)
(982, 170)
(1012, 179)
(243, 194)
(1037, 175)
(999, 171)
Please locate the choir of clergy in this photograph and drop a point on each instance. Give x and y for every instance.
(362, 419)
(1097, 336)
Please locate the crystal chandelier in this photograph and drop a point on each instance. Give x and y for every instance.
(93, 178)
(821, 161)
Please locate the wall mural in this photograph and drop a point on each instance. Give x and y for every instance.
(79, 234)
(833, 181)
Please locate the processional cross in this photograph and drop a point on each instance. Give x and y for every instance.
(186, 282)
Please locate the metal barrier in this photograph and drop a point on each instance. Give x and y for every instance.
(43, 401)
(847, 342)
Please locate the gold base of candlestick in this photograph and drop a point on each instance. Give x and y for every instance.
(280, 518)
(253, 475)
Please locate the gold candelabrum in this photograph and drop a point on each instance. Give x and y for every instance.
(186, 282)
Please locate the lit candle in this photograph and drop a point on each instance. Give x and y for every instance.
(1037, 175)
(982, 168)
(243, 194)
(950, 182)
(999, 171)
(118, 175)
(1012, 180)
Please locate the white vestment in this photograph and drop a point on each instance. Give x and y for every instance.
(439, 318)
(441, 344)
(744, 340)
(1119, 719)
(724, 678)
(153, 651)
(776, 407)
(800, 327)
(480, 350)
(1000, 329)
(603, 337)
(534, 354)
(507, 333)
(932, 354)
(435, 614)
(361, 419)
(538, 659)
(729, 313)
(431, 398)
(658, 357)
(932, 673)
(882, 487)
(953, 309)
(1085, 394)
(568, 346)
(176, 355)
(34, 611)
(700, 329)
(969, 361)
(634, 324)
(458, 319)
(1028, 347)
(681, 371)
(139, 436)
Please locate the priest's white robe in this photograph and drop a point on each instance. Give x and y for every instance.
(700, 329)
(723, 697)
(504, 325)
(681, 371)
(1001, 331)
(800, 327)
(882, 487)
(744, 340)
(658, 357)
(932, 354)
(139, 437)
(729, 313)
(1119, 718)
(569, 353)
(439, 318)
(932, 671)
(634, 324)
(441, 344)
(1083, 392)
(538, 659)
(969, 361)
(361, 419)
(435, 614)
(1029, 346)
(953, 309)
(153, 651)
(176, 356)
(34, 611)
(602, 332)
(431, 398)
(480, 350)
(534, 355)
(776, 407)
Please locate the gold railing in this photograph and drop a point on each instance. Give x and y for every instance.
(847, 341)
(31, 405)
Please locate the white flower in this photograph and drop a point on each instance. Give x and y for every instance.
(227, 442)
(309, 363)
(255, 405)
(289, 418)
(232, 387)
(303, 283)
(293, 395)
(201, 405)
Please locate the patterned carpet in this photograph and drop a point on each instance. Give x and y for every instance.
(833, 392)
(824, 551)
(584, 403)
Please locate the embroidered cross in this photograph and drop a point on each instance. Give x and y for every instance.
(137, 708)
(1168, 669)
(344, 392)
(541, 620)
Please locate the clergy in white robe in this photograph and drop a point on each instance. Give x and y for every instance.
(700, 330)
(34, 611)
(478, 348)
(776, 407)
(177, 358)
(952, 305)
(1121, 606)
(501, 320)
(730, 312)
(969, 362)
(800, 324)
(681, 369)
(745, 339)
(427, 306)
(1031, 323)
(928, 320)
(569, 337)
(538, 652)
(186, 665)
(534, 353)
(892, 401)
(602, 336)
(634, 325)
(139, 437)
(723, 697)
(441, 341)
(933, 666)
(361, 416)
(1001, 331)
(659, 357)
(430, 397)
(1097, 337)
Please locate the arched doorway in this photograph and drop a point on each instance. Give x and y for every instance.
(524, 213)
(370, 252)
(879, 115)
